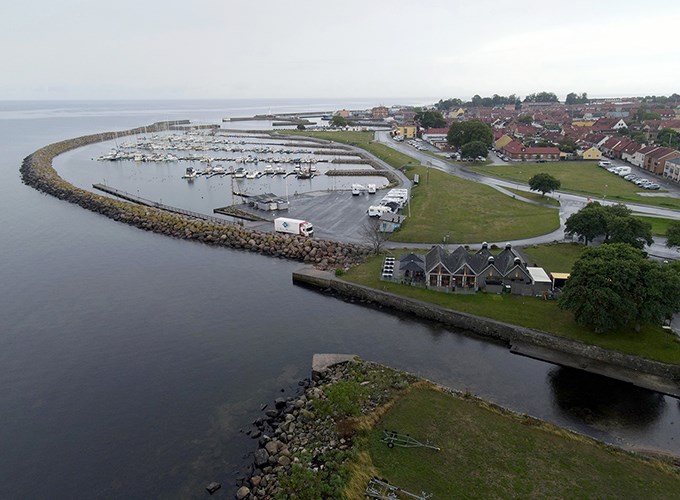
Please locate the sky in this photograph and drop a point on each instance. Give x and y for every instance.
(222, 49)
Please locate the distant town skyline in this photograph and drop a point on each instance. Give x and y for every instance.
(303, 49)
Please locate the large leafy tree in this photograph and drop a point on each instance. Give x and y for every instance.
(463, 132)
(474, 149)
(614, 222)
(668, 137)
(430, 119)
(338, 121)
(614, 285)
(573, 98)
(588, 223)
(673, 234)
(544, 183)
(541, 97)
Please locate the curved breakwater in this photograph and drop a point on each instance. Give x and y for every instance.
(37, 171)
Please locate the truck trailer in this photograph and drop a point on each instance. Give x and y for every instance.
(293, 226)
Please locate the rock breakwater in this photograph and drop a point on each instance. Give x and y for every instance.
(37, 171)
(307, 441)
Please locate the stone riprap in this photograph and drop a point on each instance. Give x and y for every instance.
(37, 171)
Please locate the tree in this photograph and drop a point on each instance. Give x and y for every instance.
(430, 119)
(668, 137)
(338, 121)
(567, 145)
(544, 183)
(474, 149)
(588, 223)
(301, 126)
(613, 285)
(526, 119)
(541, 97)
(370, 232)
(573, 98)
(614, 222)
(463, 132)
(448, 104)
(636, 232)
(673, 234)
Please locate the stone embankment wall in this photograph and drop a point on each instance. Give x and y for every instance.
(37, 171)
(643, 372)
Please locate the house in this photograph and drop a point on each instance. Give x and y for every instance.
(582, 123)
(380, 112)
(672, 169)
(655, 161)
(390, 222)
(463, 272)
(592, 153)
(436, 137)
(455, 113)
(629, 151)
(609, 125)
(343, 113)
(518, 151)
(406, 130)
(502, 141)
(609, 146)
(639, 157)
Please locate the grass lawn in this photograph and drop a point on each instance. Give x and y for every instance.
(650, 342)
(537, 197)
(469, 212)
(487, 452)
(659, 225)
(554, 257)
(362, 140)
(580, 177)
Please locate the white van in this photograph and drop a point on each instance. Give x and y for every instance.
(623, 171)
(605, 163)
(377, 211)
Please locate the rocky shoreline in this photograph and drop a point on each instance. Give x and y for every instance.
(301, 441)
(37, 172)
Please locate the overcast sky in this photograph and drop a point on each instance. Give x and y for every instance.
(91, 49)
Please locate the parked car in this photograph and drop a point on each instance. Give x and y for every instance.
(653, 186)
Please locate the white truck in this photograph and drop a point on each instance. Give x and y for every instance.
(293, 226)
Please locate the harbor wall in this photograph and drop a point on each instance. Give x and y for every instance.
(544, 346)
(37, 171)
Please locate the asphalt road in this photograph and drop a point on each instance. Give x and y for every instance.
(569, 203)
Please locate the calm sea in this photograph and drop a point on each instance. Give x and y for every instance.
(130, 362)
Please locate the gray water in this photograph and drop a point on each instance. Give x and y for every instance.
(130, 362)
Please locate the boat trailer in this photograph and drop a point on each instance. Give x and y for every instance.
(382, 490)
(393, 438)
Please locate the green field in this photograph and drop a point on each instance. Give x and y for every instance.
(580, 177)
(487, 452)
(650, 342)
(469, 212)
(537, 197)
(659, 225)
(554, 257)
